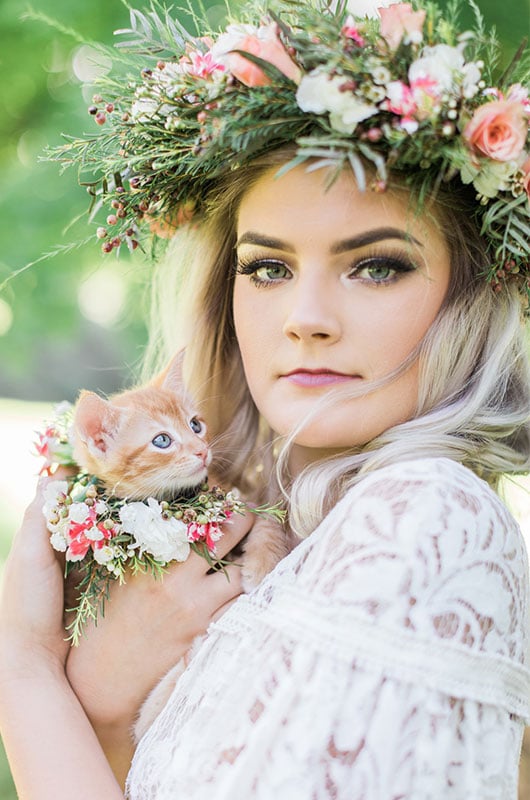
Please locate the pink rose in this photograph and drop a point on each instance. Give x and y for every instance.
(498, 129)
(400, 21)
(267, 46)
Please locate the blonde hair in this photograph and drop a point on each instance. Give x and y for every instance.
(474, 385)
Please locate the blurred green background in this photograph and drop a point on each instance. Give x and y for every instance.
(74, 319)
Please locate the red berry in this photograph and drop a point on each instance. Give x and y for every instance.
(109, 108)
(116, 241)
(106, 247)
(101, 118)
(112, 219)
(120, 213)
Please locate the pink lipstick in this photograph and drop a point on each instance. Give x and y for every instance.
(309, 378)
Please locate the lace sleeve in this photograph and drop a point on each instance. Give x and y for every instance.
(383, 659)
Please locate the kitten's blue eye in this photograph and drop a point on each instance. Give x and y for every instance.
(196, 425)
(163, 440)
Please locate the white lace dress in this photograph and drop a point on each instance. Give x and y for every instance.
(384, 658)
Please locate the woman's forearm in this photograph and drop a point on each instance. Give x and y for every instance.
(52, 749)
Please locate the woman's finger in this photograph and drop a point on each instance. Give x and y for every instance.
(224, 585)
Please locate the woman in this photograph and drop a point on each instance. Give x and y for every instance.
(349, 339)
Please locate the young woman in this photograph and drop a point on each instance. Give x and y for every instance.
(348, 350)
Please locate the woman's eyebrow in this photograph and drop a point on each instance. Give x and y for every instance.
(352, 243)
(250, 237)
(369, 237)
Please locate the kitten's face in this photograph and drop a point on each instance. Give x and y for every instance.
(147, 442)
(158, 454)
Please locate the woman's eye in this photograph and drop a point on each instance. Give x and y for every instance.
(162, 441)
(196, 425)
(263, 271)
(381, 270)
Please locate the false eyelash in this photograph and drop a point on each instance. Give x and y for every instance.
(244, 267)
(250, 267)
(394, 259)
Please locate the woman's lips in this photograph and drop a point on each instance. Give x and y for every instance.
(310, 378)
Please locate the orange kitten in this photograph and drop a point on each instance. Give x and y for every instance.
(146, 442)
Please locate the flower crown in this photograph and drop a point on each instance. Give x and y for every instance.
(378, 83)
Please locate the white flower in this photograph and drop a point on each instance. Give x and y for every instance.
(52, 492)
(230, 40)
(103, 554)
(446, 66)
(318, 93)
(368, 8)
(78, 512)
(93, 534)
(58, 541)
(165, 539)
(101, 507)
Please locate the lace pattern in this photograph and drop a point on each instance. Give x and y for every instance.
(384, 658)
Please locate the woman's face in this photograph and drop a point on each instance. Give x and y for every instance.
(334, 289)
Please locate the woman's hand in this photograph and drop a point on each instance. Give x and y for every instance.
(31, 611)
(147, 627)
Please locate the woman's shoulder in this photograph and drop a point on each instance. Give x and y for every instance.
(427, 546)
(430, 485)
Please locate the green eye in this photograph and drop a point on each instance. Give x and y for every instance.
(271, 272)
(162, 441)
(379, 272)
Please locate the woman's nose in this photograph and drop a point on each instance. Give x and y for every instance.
(312, 313)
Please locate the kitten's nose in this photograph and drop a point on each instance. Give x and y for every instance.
(203, 455)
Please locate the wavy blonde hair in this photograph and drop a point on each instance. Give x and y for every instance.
(474, 384)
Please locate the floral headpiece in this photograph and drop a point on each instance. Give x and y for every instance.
(380, 83)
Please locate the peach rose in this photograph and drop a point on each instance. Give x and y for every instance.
(498, 129)
(400, 21)
(267, 46)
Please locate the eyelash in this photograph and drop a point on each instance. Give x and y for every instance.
(394, 260)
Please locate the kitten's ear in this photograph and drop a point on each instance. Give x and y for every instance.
(173, 378)
(96, 421)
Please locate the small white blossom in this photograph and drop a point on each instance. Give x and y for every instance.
(58, 541)
(368, 8)
(78, 512)
(93, 534)
(103, 554)
(53, 491)
(101, 507)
